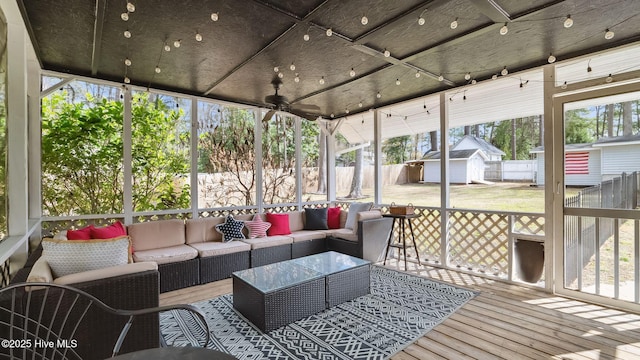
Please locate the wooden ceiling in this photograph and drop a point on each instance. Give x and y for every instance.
(236, 57)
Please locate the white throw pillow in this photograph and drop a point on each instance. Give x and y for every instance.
(354, 209)
(73, 256)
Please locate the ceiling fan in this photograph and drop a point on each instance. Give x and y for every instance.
(280, 103)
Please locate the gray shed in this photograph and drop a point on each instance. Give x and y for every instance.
(465, 166)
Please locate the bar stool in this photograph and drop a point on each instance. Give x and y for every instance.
(402, 241)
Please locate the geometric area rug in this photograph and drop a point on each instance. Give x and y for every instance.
(400, 309)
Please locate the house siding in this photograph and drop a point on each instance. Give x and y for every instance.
(593, 178)
(619, 159)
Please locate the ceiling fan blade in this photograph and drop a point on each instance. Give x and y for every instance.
(269, 115)
(304, 115)
(306, 107)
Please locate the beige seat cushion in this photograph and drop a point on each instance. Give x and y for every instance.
(346, 234)
(268, 241)
(166, 255)
(219, 248)
(156, 234)
(306, 235)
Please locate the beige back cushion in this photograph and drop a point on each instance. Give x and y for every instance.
(156, 234)
(343, 218)
(366, 215)
(296, 220)
(203, 230)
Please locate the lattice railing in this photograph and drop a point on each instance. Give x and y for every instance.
(162, 216)
(5, 273)
(225, 212)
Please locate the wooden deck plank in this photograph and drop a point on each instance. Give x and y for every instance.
(505, 321)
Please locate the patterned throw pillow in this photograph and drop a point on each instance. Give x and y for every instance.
(71, 257)
(231, 229)
(257, 227)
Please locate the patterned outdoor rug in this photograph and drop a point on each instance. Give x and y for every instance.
(400, 309)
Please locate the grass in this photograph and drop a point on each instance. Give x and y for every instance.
(518, 197)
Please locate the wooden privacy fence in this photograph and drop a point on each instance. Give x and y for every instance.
(582, 234)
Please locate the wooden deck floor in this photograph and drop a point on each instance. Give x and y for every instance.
(504, 322)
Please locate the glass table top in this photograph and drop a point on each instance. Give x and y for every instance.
(277, 276)
(330, 262)
(280, 275)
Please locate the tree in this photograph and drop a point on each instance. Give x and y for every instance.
(356, 183)
(627, 116)
(397, 149)
(82, 161)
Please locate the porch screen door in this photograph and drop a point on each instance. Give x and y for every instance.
(597, 171)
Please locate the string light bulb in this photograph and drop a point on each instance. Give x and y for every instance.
(352, 73)
(397, 81)
(440, 78)
(127, 34)
(130, 7)
(127, 80)
(346, 111)
(568, 22)
(504, 71)
(608, 34)
(158, 71)
(359, 104)
(198, 37)
(332, 115)
(364, 20)
(306, 37)
(214, 16)
(297, 78)
(292, 67)
(177, 43)
(167, 47)
(124, 16)
(321, 81)
(387, 53)
(127, 62)
(421, 21)
(417, 74)
(467, 76)
(280, 75)
(494, 76)
(564, 85)
(378, 95)
(276, 69)
(454, 24)
(329, 32)
(504, 29)
(609, 78)
(551, 59)
(473, 82)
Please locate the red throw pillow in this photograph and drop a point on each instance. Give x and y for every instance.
(108, 232)
(333, 217)
(279, 224)
(80, 234)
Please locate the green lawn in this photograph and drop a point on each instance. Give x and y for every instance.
(519, 197)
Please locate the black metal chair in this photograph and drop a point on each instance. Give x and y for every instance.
(40, 320)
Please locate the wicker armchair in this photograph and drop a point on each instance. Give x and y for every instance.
(45, 320)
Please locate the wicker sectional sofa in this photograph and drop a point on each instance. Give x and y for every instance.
(191, 252)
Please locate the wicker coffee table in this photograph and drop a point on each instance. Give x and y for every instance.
(277, 294)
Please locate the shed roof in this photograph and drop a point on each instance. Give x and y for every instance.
(455, 155)
(482, 144)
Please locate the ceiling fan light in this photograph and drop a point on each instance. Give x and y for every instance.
(568, 22)
(609, 34)
(124, 16)
(131, 7)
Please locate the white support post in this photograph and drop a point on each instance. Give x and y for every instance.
(257, 114)
(127, 158)
(297, 135)
(331, 167)
(377, 134)
(444, 179)
(35, 148)
(17, 127)
(195, 191)
(550, 162)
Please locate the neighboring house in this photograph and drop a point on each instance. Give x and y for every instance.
(469, 142)
(590, 164)
(465, 166)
